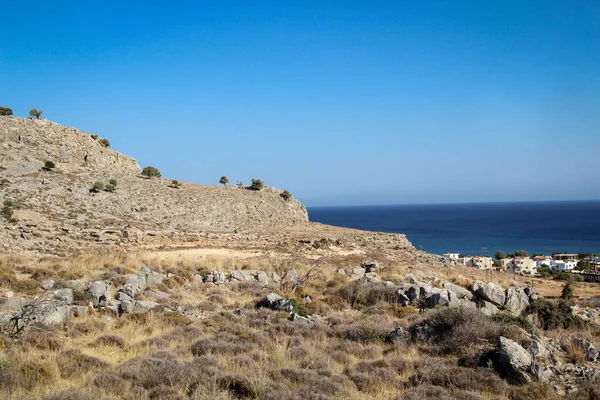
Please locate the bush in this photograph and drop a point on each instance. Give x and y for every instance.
(500, 255)
(554, 316)
(112, 185)
(97, 186)
(224, 180)
(7, 210)
(34, 112)
(286, 195)
(521, 253)
(175, 183)
(257, 184)
(151, 172)
(104, 142)
(48, 165)
(5, 112)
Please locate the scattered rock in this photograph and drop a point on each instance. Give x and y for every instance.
(64, 295)
(492, 293)
(512, 361)
(516, 301)
(275, 302)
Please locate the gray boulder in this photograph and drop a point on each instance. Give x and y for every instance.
(47, 284)
(459, 291)
(516, 301)
(240, 276)
(275, 302)
(135, 284)
(144, 306)
(493, 293)
(536, 348)
(512, 361)
(262, 277)
(216, 278)
(156, 294)
(591, 353)
(77, 284)
(78, 311)
(99, 293)
(486, 307)
(64, 295)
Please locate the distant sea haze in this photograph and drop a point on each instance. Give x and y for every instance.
(475, 228)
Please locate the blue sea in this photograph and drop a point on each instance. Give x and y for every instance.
(538, 227)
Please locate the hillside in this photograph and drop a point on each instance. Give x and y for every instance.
(54, 211)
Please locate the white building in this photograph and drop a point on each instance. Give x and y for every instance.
(563, 265)
(520, 265)
(452, 256)
(480, 262)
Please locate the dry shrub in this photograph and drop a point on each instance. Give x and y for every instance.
(461, 330)
(88, 326)
(360, 294)
(108, 382)
(43, 339)
(156, 370)
(111, 340)
(173, 319)
(577, 354)
(9, 380)
(42, 273)
(438, 372)
(438, 393)
(73, 362)
(537, 391)
(589, 390)
(372, 376)
(163, 392)
(223, 345)
(312, 383)
(73, 394)
(34, 373)
(238, 385)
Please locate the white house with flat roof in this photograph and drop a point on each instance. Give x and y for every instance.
(452, 256)
(520, 265)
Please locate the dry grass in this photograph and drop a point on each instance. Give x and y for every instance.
(242, 352)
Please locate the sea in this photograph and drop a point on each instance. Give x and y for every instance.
(479, 228)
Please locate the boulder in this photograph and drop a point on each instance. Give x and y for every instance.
(77, 284)
(64, 295)
(493, 293)
(275, 302)
(275, 276)
(398, 334)
(536, 348)
(512, 361)
(156, 294)
(516, 301)
(99, 293)
(424, 332)
(262, 277)
(198, 278)
(154, 278)
(135, 284)
(144, 306)
(240, 276)
(402, 298)
(216, 278)
(486, 307)
(358, 271)
(370, 266)
(459, 291)
(300, 320)
(5, 319)
(47, 284)
(78, 311)
(476, 285)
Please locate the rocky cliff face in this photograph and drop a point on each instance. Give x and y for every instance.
(54, 209)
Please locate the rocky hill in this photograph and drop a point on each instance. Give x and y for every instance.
(53, 210)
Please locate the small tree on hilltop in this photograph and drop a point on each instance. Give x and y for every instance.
(257, 184)
(49, 165)
(286, 195)
(568, 291)
(151, 172)
(5, 112)
(521, 253)
(224, 180)
(500, 255)
(34, 112)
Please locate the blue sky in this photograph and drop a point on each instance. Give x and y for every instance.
(341, 102)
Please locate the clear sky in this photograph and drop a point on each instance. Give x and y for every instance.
(340, 102)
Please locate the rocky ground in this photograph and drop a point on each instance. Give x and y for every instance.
(157, 292)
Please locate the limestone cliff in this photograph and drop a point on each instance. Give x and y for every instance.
(55, 209)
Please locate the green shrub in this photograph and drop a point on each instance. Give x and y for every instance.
(521, 253)
(555, 315)
(224, 180)
(297, 308)
(97, 186)
(104, 142)
(5, 112)
(34, 112)
(7, 210)
(257, 184)
(151, 172)
(286, 195)
(49, 165)
(175, 183)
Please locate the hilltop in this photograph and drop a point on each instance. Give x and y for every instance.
(55, 211)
